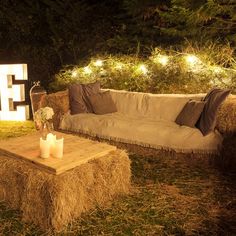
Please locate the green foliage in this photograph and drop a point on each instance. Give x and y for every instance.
(10, 129)
(179, 19)
(49, 34)
(190, 70)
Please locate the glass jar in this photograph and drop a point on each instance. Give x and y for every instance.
(46, 128)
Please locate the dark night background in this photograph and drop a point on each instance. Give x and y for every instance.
(48, 34)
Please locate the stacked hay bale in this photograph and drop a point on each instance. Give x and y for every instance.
(52, 201)
(226, 124)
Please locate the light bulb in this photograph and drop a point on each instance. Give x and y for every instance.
(191, 59)
(98, 63)
(163, 60)
(87, 70)
(74, 73)
(143, 69)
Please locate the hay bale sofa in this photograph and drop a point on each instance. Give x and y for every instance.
(146, 121)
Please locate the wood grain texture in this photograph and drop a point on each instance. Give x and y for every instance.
(77, 151)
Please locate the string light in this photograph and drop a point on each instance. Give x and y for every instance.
(98, 63)
(191, 59)
(162, 59)
(74, 73)
(87, 70)
(143, 69)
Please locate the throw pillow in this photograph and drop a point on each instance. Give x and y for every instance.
(102, 103)
(213, 99)
(190, 113)
(89, 90)
(77, 104)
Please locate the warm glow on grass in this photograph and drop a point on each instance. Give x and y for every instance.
(15, 128)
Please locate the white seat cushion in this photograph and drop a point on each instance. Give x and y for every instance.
(160, 134)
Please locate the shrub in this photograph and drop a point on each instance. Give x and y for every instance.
(190, 70)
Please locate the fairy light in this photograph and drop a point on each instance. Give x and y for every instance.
(74, 73)
(143, 69)
(191, 59)
(162, 59)
(98, 63)
(87, 70)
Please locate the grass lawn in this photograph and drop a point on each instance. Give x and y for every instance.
(169, 197)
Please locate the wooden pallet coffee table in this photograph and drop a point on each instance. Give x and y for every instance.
(77, 151)
(52, 192)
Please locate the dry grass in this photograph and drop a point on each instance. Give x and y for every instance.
(169, 197)
(226, 116)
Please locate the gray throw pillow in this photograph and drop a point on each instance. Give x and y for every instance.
(190, 113)
(76, 101)
(102, 103)
(213, 99)
(89, 90)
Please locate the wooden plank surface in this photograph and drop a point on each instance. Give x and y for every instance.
(77, 151)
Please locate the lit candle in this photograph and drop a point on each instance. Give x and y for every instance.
(58, 148)
(44, 148)
(51, 140)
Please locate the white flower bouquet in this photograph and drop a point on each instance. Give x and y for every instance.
(43, 117)
(43, 114)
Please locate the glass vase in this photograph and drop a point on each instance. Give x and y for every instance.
(46, 128)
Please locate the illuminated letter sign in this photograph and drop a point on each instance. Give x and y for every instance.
(13, 78)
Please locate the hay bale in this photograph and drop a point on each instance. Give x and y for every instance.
(226, 116)
(59, 102)
(227, 158)
(52, 201)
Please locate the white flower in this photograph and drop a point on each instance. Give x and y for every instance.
(43, 114)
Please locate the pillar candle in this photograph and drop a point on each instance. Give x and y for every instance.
(51, 138)
(58, 148)
(44, 148)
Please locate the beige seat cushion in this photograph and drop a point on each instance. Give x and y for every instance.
(161, 134)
